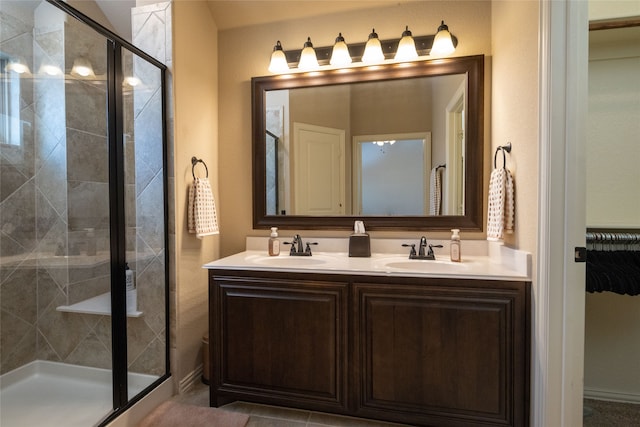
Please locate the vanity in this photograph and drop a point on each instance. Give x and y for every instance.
(430, 343)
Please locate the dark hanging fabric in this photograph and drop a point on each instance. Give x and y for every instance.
(613, 271)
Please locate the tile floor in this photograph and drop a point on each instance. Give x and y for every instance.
(272, 416)
(598, 413)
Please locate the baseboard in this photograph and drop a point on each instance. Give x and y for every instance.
(188, 382)
(613, 396)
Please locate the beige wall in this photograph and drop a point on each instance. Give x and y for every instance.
(195, 89)
(612, 9)
(514, 109)
(612, 139)
(245, 53)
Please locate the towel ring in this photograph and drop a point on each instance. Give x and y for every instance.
(502, 148)
(194, 162)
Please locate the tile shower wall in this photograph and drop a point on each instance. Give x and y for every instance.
(54, 189)
(32, 198)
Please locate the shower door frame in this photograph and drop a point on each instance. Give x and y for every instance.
(115, 130)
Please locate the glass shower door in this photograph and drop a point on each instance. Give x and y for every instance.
(145, 218)
(82, 194)
(56, 235)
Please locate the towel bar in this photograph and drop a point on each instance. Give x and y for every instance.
(194, 162)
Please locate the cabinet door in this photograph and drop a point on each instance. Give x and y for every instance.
(280, 341)
(441, 356)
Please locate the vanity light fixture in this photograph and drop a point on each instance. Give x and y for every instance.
(340, 54)
(82, 68)
(442, 43)
(17, 65)
(407, 47)
(373, 49)
(278, 62)
(308, 59)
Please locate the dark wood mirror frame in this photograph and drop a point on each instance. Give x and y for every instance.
(472, 66)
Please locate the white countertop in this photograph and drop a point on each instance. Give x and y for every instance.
(480, 260)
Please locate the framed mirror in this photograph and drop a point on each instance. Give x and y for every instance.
(399, 146)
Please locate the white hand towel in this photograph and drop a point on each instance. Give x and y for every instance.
(435, 192)
(501, 204)
(201, 213)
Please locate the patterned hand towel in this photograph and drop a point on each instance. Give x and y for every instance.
(201, 212)
(435, 192)
(501, 204)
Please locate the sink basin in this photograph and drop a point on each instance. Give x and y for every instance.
(423, 266)
(288, 261)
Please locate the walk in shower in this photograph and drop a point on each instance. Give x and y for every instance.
(83, 234)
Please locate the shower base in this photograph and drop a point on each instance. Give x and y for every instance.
(44, 394)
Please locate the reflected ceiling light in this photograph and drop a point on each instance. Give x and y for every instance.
(381, 143)
(340, 54)
(373, 49)
(82, 67)
(50, 70)
(406, 47)
(278, 62)
(442, 42)
(132, 81)
(308, 59)
(17, 65)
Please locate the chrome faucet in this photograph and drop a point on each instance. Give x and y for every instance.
(297, 247)
(429, 255)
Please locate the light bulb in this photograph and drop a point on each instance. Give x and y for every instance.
(50, 70)
(442, 42)
(132, 81)
(308, 59)
(373, 49)
(82, 67)
(278, 62)
(340, 54)
(17, 66)
(406, 47)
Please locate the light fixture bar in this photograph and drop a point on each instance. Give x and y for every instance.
(389, 47)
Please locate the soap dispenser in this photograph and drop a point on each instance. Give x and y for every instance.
(132, 292)
(274, 243)
(455, 245)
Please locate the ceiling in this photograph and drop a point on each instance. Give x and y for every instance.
(230, 14)
(241, 13)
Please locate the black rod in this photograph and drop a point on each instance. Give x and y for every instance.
(165, 184)
(117, 221)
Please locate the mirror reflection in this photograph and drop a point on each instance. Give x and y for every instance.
(332, 150)
(322, 152)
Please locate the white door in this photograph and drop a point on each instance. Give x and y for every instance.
(318, 170)
(559, 294)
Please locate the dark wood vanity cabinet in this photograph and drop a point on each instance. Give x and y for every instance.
(431, 352)
(442, 353)
(279, 340)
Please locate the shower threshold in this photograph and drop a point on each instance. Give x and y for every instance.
(44, 394)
